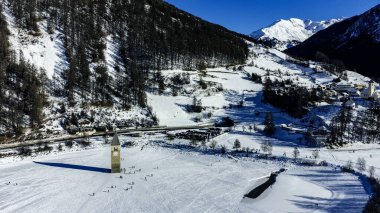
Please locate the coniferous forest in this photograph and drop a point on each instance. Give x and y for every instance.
(150, 35)
(22, 88)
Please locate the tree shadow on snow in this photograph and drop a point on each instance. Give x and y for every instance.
(73, 166)
(354, 199)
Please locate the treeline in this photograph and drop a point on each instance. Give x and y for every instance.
(335, 66)
(149, 35)
(285, 95)
(22, 90)
(348, 127)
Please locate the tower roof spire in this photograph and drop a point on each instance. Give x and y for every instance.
(115, 140)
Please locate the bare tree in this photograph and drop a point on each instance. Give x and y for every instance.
(348, 165)
(193, 143)
(371, 171)
(270, 148)
(213, 144)
(361, 164)
(203, 143)
(296, 153)
(315, 154)
(267, 147)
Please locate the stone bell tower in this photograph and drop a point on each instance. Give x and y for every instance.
(372, 88)
(115, 154)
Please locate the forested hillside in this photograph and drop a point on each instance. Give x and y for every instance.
(150, 35)
(147, 36)
(22, 89)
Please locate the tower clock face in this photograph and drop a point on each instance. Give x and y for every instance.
(115, 153)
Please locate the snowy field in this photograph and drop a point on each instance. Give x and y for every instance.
(253, 140)
(237, 86)
(177, 180)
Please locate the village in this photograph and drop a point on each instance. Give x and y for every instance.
(323, 92)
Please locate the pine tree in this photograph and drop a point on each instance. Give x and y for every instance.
(84, 71)
(2, 88)
(237, 144)
(270, 127)
(101, 84)
(71, 79)
(160, 81)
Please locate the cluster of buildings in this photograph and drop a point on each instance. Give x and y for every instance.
(344, 90)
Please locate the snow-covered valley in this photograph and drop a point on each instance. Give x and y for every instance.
(200, 140)
(181, 178)
(167, 178)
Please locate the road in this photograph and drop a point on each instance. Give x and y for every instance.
(99, 134)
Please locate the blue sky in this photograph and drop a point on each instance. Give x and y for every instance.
(245, 16)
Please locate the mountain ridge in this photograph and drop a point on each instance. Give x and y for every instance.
(355, 41)
(286, 33)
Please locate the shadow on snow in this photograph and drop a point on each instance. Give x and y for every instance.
(335, 183)
(73, 166)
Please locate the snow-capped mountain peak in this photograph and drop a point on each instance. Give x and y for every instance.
(355, 41)
(284, 34)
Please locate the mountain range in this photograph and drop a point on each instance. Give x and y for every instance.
(355, 41)
(284, 34)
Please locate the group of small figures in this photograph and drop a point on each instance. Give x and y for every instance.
(9, 183)
(130, 187)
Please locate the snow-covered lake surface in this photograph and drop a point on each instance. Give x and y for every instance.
(178, 180)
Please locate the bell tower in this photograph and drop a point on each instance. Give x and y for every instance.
(372, 88)
(115, 154)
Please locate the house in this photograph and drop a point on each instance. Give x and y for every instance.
(359, 86)
(331, 93)
(316, 66)
(316, 140)
(343, 87)
(357, 94)
(376, 95)
(317, 137)
(345, 95)
(349, 104)
(322, 87)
